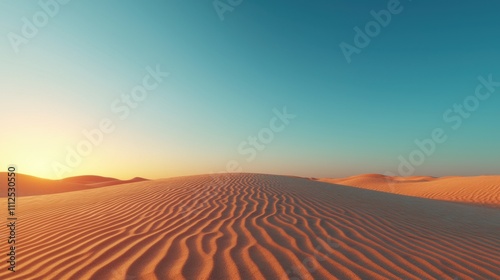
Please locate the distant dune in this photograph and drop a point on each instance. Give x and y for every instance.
(253, 226)
(481, 190)
(29, 185)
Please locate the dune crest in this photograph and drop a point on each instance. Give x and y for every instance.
(252, 226)
(30, 185)
(480, 190)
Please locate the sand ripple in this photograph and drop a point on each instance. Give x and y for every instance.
(251, 226)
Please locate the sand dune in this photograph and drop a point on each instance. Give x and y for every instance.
(481, 190)
(29, 185)
(251, 226)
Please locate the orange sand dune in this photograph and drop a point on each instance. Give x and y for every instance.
(251, 226)
(29, 185)
(482, 190)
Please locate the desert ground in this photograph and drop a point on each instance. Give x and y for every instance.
(479, 190)
(256, 226)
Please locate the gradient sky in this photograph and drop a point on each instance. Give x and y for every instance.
(227, 76)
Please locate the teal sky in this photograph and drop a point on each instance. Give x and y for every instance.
(227, 76)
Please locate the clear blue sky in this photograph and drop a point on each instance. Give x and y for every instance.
(227, 76)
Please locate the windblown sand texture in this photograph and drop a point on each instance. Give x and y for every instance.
(481, 190)
(253, 226)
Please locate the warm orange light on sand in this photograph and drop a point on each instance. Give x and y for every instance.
(254, 226)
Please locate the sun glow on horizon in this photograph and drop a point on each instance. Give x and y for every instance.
(215, 106)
